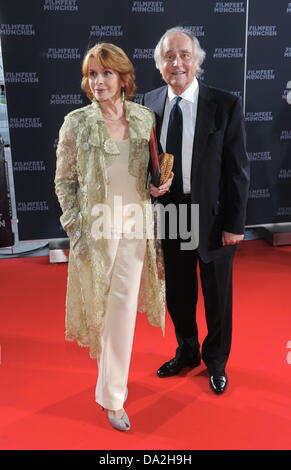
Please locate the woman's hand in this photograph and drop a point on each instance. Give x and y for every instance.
(164, 188)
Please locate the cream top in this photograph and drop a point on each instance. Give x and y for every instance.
(123, 199)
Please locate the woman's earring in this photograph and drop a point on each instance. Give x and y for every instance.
(123, 95)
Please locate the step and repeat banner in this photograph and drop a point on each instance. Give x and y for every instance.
(268, 110)
(43, 44)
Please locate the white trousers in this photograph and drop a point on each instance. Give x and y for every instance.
(126, 263)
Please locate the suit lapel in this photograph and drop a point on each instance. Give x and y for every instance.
(205, 125)
(205, 120)
(157, 104)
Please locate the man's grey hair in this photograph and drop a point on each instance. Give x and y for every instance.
(199, 53)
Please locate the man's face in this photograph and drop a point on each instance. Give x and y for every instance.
(177, 62)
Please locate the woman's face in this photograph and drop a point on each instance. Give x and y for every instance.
(104, 83)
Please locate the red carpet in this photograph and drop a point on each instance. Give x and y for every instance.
(47, 385)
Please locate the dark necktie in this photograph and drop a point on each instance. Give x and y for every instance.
(174, 146)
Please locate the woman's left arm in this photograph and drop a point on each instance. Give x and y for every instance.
(66, 179)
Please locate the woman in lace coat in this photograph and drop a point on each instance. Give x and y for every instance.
(114, 263)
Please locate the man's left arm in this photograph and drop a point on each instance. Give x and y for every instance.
(237, 176)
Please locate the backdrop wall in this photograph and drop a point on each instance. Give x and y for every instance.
(248, 45)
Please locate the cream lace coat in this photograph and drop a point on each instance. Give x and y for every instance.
(84, 152)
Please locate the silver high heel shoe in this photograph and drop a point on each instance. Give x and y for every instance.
(123, 423)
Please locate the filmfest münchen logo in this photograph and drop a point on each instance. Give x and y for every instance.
(284, 173)
(106, 30)
(229, 7)
(197, 31)
(32, 165)
(143, 54)
(32, 206)
(287, 92)
(17, 29)
(288, 8)
(148, 7)
(268, 74)
(66, 99)
(287, 52)
(60, 5)
(25, 123)
(228, 53)
(237, 93)
(286, 95)
(261, 30)
(257, 116)
(263, 193)
(259, 156)
(283, 211)
(21, 77)
(285, 134)
(63, 53)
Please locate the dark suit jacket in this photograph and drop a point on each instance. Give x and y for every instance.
(220, 166)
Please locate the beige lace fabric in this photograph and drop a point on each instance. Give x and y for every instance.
(85, 150)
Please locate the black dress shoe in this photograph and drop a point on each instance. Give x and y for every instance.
(174, 366)
(218, 383)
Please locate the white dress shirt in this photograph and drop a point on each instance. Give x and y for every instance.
(188, 105)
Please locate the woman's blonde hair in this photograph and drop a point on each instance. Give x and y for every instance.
(109, 56)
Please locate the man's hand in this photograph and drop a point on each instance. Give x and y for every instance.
(161, 190)
(231, 238)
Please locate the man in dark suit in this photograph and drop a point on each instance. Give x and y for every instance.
(203, 127)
